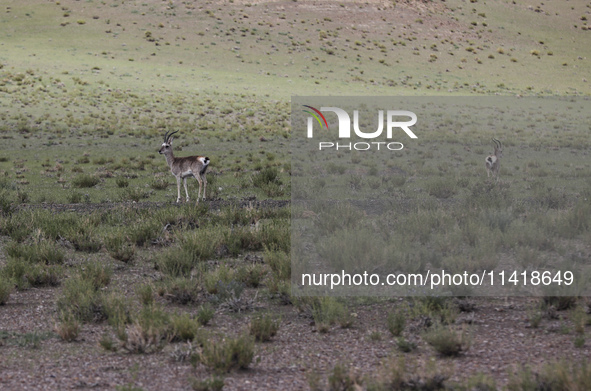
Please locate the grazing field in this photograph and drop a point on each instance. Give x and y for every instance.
(106, 283)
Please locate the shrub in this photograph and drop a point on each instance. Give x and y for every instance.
(122, 182)
(107, 343)
(263, 327)
(560, 375)
(180, 290)
(397, 375)
(75, 197)
(6, 207)
(143, 233)
(80, 298)
(135, 194)
(148, 333)
(561, 303)
(205, 314)
(342, 378)
(215, 280)
(116, 309)
(251, 275)
(441, 188)
(266, 177)
(175, 262)
(119, 248)
(5, 290)
(45, 252)
(203, 244)
(328, 311)
(447, 341)
(159, 184)
(15, 270)
(227, 354)
(44, 275)
(146, 294)
(68, 327)
(97, 274)
(396, 322)
(214, 383)
(279, 262)
(405, 345)
(183, 327)
(85, 180)
(84, 240)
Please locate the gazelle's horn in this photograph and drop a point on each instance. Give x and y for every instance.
(166, 137)
(497, 142)
(170, 135)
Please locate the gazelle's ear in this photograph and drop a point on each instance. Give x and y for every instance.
(170, 141)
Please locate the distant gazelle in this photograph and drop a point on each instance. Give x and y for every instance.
(183, 167)
(493, 162)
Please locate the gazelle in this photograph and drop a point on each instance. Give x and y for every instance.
(183, 167)
(493, 162)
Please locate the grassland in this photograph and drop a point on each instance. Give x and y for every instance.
(125, 290)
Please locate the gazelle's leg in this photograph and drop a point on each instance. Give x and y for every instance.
(186, 191)
(200, 184)
(204, 185)
(178, 188)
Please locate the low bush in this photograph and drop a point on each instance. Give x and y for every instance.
(67, 327)
(46, 252)
(85, 180)
(119, 248)
(5, 290)
(556, 376)
(180, 290)
(80, 298)
(225, 355)
(98, 274)
(396, 322)
(263, 327)
(183, 327)
(447, 341)
(205, 314)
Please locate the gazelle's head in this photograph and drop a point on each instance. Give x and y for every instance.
(167, 144)
(498, 148)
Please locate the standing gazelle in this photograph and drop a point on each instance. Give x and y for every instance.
(493, 162)
(183, 167)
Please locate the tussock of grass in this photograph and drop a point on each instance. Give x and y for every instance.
(180, 290)
(45, 252)
(67, 327)
(326, 312)
(148, 332)
(183, 327)
(85, 180)
(97, 273)
(80, 298)
(560, 375)
(119, 248)
(263, 327)
(396, 322)
(228, 354)
(5, 290)
(447, 341)
(205, 314)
